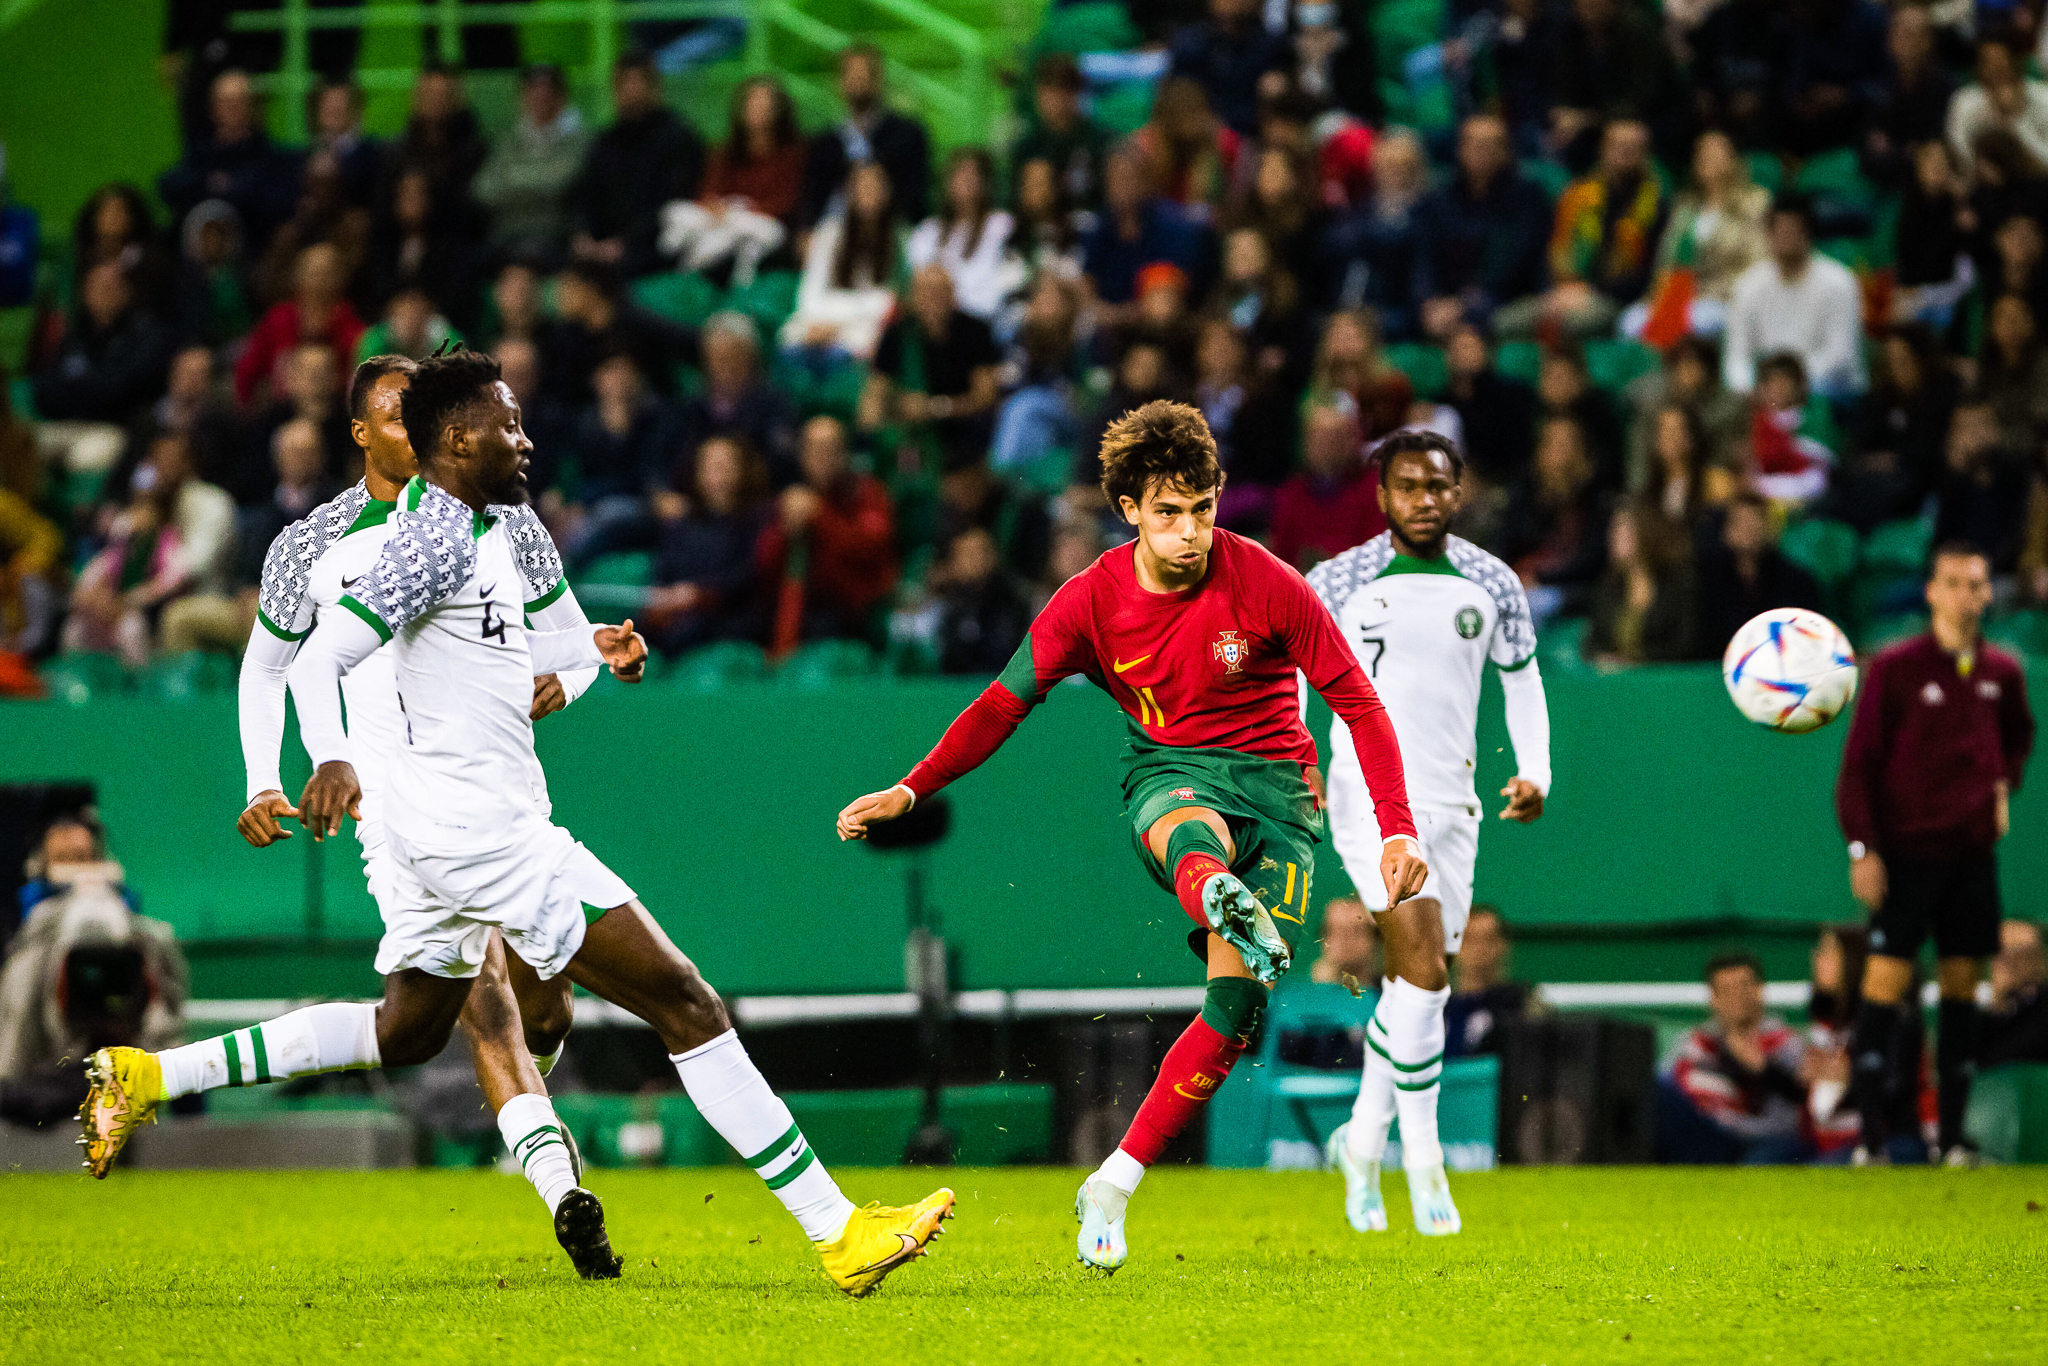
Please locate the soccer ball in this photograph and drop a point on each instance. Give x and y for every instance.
(1790, 669)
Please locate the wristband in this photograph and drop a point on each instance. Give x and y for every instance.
(907, 788)
(1857, 850)
(1413, 843)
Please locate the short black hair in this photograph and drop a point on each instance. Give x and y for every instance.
(1796, 204)
(1415, 441)
(367, 375)
(1956, 548)
(1786, 363)
(444, 386)
(1735, 958)
(636, 59)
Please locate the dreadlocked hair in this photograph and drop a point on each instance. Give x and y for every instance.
(1162, 444)
(444, 387)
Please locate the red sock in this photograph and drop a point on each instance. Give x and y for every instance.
(1195, 1066)
(1190, 875)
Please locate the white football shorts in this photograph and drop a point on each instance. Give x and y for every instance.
(1450, 846)
(440, 904)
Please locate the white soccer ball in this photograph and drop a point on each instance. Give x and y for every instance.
(1790, 669)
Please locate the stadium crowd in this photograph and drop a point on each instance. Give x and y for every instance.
(786, 388)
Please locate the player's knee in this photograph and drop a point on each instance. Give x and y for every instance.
(415, 1043)
(1233, 1007)
(693, 1013)
(547, 1018)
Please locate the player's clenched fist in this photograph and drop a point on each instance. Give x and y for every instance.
(876, 806)
(1402, 869)
(331, 793)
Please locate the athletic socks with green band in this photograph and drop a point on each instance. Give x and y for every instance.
(729, 1091)
(1404, 1055)
(322, 1038)
(533, 1135)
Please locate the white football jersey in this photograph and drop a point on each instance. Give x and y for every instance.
(450, 592)
(1423, 631)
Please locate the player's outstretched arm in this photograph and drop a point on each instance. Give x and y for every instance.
(620, 647)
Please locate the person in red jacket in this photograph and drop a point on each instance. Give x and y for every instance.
(1333, 503)
(832, 545)
(1198, 634)
(1941, 735)
(316, 312)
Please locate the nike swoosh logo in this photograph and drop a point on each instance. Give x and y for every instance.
(1187, 1095)
(909, 1249)
(486, 592)
(1377, 625)
(1119, 665)
(347, 584)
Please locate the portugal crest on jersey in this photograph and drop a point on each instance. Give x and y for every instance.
(1232, 651)
(1468, 621)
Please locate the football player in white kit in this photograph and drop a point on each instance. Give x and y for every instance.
(1426, 612)
(471, 848)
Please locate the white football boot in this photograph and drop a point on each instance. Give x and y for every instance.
(1100, 1208)
(1362, 1203)
(1429, 1192)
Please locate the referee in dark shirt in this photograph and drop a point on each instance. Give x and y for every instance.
(1941, 735)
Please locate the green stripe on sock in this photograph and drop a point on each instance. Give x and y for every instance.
(553, 1137)
(234, 1060)
(772, 1149)
(1374, 1044)
(1415, 1085)
(259, 1054)
(793, 1170)
(553, 1129)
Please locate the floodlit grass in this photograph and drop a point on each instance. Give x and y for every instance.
(1568, 1265)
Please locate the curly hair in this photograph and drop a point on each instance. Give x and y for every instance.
(444, 387)
(1161, 443)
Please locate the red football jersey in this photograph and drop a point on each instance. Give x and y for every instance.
(1209, 667)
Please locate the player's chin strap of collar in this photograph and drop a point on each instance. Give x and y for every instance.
(913, 798)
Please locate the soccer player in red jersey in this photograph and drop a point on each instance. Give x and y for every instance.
(1197, 633)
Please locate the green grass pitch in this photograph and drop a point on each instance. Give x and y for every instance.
(1563, 1265)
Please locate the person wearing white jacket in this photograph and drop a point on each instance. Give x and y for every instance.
(971, 238)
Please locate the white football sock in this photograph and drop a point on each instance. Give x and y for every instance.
(733, 1096)
(545, 1065)
(1372, 1114)
(533, 1135)
(1409, 1026)
(322, 1038)
(1122, 1171)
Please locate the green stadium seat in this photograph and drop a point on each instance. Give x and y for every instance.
(1422, 363)
(1767, 170)
(1898, 548)
(1560, 645)
(2024, 634)
(2008, 1114)
(686, 299)
(1551, 175)
(1889, 628)
(769, 300)
(1522, 360)
(1074, 29)
(1826, 549)
(81, 676)
(821, 664)
(183, 677)
(835, 392)
(1611, 364)
(634, 567)
(712, 667)
(1836, 175)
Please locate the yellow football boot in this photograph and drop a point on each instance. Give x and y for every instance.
(127, 1084)
(879, 1238)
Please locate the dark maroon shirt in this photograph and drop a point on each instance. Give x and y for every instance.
(1927, 747)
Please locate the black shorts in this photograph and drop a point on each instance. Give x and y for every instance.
(1954, 899)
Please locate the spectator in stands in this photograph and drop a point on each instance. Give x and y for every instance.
(1743, 573)
(1252, 419)
(1612, 65)
(1980, 497)
(442, 138)
(335, 112)
(1735, 1089)
(1135, 229)
(971, 495)
(1142, 374)
(321, 214)
(1334, 148)
(2003, 99)
(1193, 153)
(126, 583)
(1278, 202)
(113, 357)
(648, 158)
(1739, 69)
(2016, 1026)
(1835, 70)
(1160, 317)
(1563, 387)
(1480, 233)
(982, 612)
(594, 320)
(1644, 606)
(1350, 945)
(31, 553)
(1498, 413)
(851, 268)
(1838, 958)
(1046, 238)
(1682, 486)
(2006, 178)
(1349, 368)
(1716, 232)
(741, 216)
(2012, 373)
(845, 524)
(1913, 105)
(311, 392)
(1791, 439)
(317, 312)
(1371, 255)
(213, 295)
(524, 182)
(1484, 997)
(934, 378)
(1602, 239)
(1333, 503)
(115, 225)
(870, 132)
(1039, 421)
(1691, 378)
(234, 162)
(1061, 134)
(1262, 300)
(1553, 534)
(550, 424)
(970, 237)
(737, 399)
(410, 327)
(1891, 466)
(622, 440)
(1799, 301)
(1225, 55)
(421, 244)
(2017, 263)
(704, 573)
(1524, 60)
(1332, 58)
(21, 463)
(1932, 271)
(513, 311)
(1075, 545)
